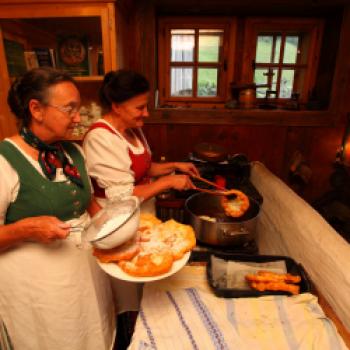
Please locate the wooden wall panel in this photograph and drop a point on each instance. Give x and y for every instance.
(318, 146)
(258, 143)
(173, 134)
(272, 145)
(324, 145)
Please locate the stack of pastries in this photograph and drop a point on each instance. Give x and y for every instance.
(153, 249)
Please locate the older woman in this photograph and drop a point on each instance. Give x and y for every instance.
(118, 157)
(52, 294)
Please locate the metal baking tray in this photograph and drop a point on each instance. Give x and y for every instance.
(291, 266)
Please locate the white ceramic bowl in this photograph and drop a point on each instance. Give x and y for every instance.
(115, 224)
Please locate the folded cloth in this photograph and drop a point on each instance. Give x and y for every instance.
(172, 317)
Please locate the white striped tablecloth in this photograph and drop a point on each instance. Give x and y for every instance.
(181, 312)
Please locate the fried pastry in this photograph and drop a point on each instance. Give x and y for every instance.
(154, 248)
(275, 286)
(148, 221)
(147, 265)
(178, 237)
(235, 207)
(125, 251)
(268, 276)
(267, 280)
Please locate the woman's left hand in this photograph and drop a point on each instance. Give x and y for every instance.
(187, 168)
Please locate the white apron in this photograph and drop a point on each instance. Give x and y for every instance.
(56, 297)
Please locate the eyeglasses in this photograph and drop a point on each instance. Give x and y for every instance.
(71, 111)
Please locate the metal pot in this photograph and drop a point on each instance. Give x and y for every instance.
(206, 215)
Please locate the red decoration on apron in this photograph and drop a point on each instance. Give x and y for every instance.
(140, 163)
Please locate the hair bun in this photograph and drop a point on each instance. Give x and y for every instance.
(14, 99)
(108, 77)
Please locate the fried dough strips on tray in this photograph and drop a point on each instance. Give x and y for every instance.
(275, 286)
(268, 276)
(267, 280)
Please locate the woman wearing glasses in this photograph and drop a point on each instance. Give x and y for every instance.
(52, 294)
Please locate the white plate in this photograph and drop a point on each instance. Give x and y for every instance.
(115, 271)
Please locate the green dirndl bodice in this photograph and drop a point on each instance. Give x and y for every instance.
(39, 196)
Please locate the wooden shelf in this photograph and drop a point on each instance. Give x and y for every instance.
(90, 78)
(40, 23)
(241, 116)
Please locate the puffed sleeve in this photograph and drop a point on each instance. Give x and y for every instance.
(108, 162)
(9, 186)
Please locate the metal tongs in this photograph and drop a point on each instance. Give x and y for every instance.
(223, 191)
(76, 228)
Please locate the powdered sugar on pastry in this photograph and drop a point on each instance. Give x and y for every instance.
(148, 221)
(179, 237)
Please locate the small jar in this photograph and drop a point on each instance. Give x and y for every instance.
(247, 98)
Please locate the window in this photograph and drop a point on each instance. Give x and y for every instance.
(198, 59)
(282, 57)
(192, 59)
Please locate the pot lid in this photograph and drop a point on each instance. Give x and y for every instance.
(210, 152)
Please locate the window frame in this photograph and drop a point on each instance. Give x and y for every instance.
(255, 26)
(226, 64)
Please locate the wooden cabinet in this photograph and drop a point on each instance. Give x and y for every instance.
(42, 24)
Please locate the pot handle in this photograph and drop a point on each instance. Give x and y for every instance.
(227, 232)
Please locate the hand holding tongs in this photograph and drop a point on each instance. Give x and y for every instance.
(223, 191)
(76, 228)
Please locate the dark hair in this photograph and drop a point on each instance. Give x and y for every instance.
(121, 85)
(33, 84)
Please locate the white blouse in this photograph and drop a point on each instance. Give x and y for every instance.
(108, 161)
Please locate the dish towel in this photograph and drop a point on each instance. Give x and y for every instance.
(175, 317)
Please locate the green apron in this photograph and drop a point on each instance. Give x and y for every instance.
(39, 196)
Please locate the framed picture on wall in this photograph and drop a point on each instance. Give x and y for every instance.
(73, 55)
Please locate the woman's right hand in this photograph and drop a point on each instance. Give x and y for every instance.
(179, 182)
(45, 229)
